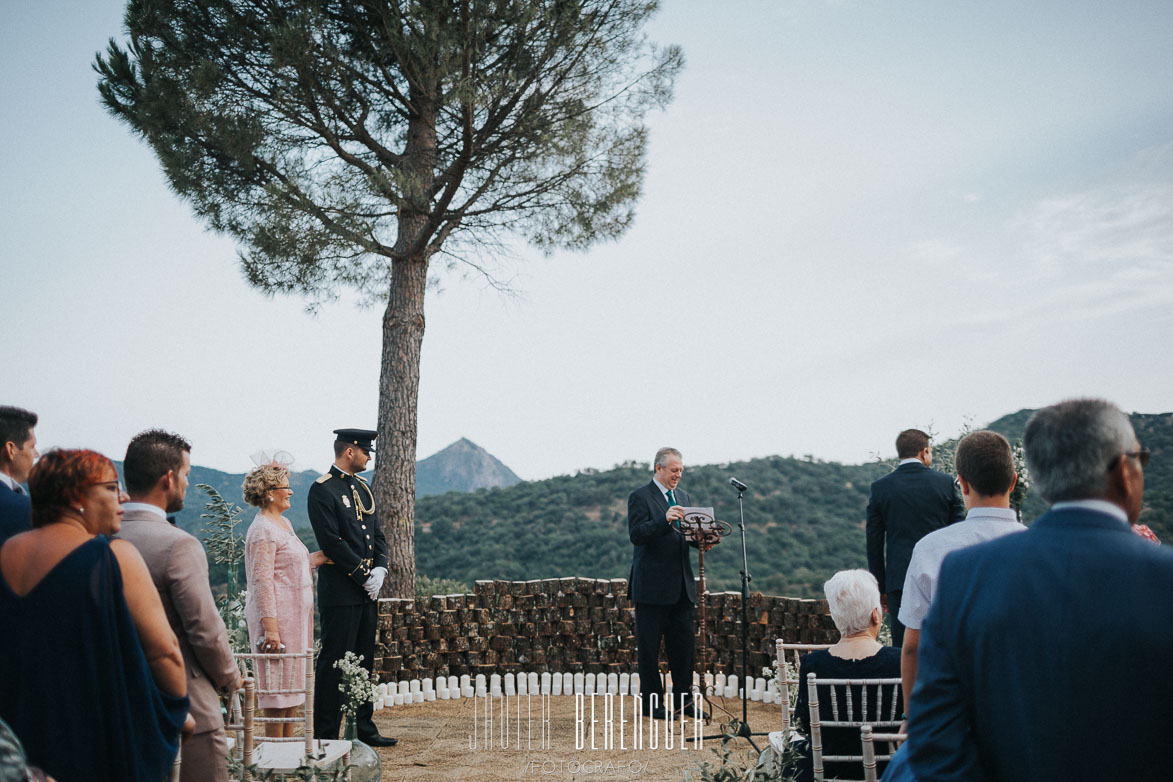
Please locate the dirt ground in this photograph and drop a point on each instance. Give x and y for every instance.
(436, 742)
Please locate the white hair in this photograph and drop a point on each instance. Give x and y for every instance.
(852, 596)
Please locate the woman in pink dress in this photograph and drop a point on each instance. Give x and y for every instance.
(279, 608)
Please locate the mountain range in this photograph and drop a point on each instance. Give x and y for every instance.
(804, 517)
(463, 466)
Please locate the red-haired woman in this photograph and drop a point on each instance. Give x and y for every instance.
(94, 683)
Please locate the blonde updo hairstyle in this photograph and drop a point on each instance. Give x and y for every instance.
(261, 481)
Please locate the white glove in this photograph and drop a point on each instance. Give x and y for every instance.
(374, 582)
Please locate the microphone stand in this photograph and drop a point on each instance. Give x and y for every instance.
(743, 730)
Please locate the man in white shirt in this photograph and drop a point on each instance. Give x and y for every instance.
(985, 470)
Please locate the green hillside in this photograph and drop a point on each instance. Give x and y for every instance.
(804, 517)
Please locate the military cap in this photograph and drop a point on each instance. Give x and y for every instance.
(360, 438)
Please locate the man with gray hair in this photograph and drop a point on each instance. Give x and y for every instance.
(1045, 655)
(662, 585)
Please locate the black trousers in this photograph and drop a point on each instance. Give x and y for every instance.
(674, 625)
(893, 612)
(344, 629)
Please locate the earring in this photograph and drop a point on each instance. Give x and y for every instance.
(270, 498)
(81, 510)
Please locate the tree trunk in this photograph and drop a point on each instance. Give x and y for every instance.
(403, 333)
(399, 382)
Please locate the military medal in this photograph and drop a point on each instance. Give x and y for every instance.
(345, 500)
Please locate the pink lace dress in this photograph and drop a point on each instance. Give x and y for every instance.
(277, 566)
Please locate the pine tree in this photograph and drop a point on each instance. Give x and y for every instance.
(348, 142)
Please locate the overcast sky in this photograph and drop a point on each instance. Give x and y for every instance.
(858, 217)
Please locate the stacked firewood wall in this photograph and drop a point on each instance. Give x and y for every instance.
(570, 625)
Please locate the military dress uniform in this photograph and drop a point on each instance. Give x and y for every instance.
(342, 513)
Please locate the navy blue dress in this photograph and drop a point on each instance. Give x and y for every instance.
(884, 664)
(74, 683)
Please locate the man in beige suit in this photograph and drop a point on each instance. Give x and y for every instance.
(156, 470)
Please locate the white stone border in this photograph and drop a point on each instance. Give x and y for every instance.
(444, 688)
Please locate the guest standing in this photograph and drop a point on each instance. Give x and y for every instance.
(985, 471)
(1045, 655)
(279, 608)
(18, 452)
(904, 506)
(156, 468)
(94, 683)
(342, 513)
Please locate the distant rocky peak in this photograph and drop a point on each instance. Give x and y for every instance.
(462, 466)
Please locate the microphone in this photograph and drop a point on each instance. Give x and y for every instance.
(737, 484)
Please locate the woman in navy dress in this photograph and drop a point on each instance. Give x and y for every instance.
(854, 600)
(94, 683)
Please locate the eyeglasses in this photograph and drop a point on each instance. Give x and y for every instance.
(1141, 456)
(284, 488)
(116, 485)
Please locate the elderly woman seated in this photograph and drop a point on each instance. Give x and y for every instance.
(854, 599)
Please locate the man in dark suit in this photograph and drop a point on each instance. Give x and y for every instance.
(342, 513)
(662, 585)
(18, 452)
(905, 505)
(156, 470)
(1045, 655)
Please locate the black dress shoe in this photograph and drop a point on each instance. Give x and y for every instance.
(379, 741)
(691, 709)
(658, 713)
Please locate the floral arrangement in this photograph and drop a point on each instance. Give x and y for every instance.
(774, 681)
(357, 683)
(232, 612)
(1022, 487)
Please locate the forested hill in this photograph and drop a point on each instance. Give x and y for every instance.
(804, 518)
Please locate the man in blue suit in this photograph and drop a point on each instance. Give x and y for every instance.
(1045, 655)
(18, 452)
(662, 585)
(904, 506)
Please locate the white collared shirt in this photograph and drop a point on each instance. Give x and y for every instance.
(663, 491)
(145, 506)
(924, 567)
(910, 460)
(10, 482)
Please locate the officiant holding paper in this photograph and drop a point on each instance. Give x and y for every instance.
(662, 584)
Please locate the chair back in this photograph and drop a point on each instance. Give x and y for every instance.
(867, 740)
(241, 713)
(788, 656)
(853, 703)
(285, 674)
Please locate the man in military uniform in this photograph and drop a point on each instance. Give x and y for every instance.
(342, 513)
